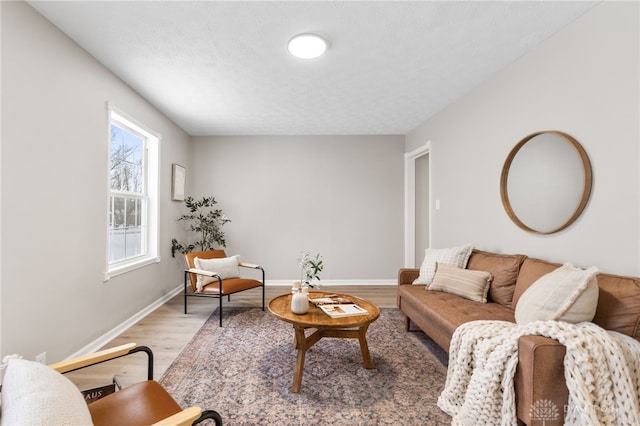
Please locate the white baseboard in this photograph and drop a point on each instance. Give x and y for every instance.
(336, 283)
(118, 330)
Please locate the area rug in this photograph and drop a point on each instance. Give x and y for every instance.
(244, 370)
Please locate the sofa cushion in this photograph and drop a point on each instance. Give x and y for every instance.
(458, 256)
(618, 298)
(619, 304)
(567, 294)
(530, 270)
(472, 285)
(439, 314)
(504, 268)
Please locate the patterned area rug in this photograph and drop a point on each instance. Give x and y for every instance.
(244, 370)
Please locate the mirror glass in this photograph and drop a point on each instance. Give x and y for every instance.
(546, 182)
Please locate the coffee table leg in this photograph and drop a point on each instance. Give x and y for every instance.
(366, 357)
(295, 338)
(300, 341)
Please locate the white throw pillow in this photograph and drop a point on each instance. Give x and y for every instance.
(34, 394)
(225, 267)
(472, 285)
(566, 294)
(457, 256)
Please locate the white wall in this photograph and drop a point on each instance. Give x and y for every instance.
(584, 81)
(54, 177)
(341, 196)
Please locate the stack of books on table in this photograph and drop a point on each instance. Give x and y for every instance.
(337, 307)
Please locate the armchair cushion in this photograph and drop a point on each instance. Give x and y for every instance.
(142, 403)
(34, 394)
(225, 267)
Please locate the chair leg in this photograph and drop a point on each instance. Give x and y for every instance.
(209, 414)
(185, 292)
(263, 288)
(220, 309)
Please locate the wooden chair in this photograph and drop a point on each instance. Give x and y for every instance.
(220, 286)
(36, 394)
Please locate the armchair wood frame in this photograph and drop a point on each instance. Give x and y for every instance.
(188, 416)
(218, 289)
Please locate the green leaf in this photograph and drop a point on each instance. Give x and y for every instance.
(204, 221)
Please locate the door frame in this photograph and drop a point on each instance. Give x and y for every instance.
(410, 202)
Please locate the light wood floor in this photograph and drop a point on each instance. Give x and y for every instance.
(167, 330)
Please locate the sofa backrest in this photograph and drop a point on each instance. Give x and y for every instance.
(530, 271)
(618, 297)
(504, 269)
(619, 304)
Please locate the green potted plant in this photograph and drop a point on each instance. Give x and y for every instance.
(206, 222)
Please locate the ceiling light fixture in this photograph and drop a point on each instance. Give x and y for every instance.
(307, 46)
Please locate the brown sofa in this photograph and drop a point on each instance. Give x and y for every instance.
(540, 371)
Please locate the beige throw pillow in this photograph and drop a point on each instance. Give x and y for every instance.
(225, 267)
(472, 285)
(457, 256)
(567, 294)
(34, 394)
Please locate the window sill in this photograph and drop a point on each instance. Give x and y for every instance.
(129, 266)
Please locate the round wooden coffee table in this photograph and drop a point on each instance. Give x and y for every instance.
(347, 327)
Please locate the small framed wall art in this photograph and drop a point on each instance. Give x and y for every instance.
(177, 182)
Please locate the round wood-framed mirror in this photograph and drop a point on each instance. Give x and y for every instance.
(546, 182)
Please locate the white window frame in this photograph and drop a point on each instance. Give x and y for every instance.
(151, 168)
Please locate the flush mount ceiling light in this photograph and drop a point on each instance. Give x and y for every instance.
(307, 46)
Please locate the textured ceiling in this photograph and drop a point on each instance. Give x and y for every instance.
(222, 68)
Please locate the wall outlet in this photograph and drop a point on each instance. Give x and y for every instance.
(42, 358)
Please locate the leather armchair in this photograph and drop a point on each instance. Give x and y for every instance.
(144, 403)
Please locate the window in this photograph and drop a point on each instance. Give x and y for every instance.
(133, 195)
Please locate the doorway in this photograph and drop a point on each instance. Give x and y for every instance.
(417, 204)
(422, 216)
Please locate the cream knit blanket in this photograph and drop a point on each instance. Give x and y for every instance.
(602, 371)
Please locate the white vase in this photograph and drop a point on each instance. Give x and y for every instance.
(299, 302)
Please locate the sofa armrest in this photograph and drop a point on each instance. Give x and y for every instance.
(407, 275)
(540, 378)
